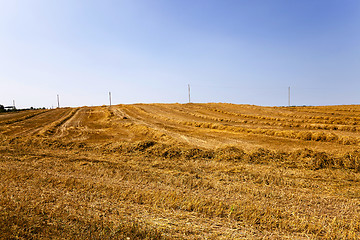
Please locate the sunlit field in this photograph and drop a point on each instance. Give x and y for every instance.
(180, 171)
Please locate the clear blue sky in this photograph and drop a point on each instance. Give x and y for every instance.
(238, 51)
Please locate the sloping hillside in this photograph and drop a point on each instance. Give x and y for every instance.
(193, 171)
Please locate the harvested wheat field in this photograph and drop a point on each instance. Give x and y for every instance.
(180, 171)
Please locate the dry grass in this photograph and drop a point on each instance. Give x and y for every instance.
(194, 171)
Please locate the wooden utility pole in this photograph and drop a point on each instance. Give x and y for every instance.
(189, 92)
(110, 98)
(289, 96)
(58, 100)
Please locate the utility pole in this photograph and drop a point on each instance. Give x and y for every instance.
(189, 92)
(289, 96)
(110, 98)
(14, 104)
(58, 100)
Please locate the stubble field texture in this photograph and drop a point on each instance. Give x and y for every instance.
(180, 171)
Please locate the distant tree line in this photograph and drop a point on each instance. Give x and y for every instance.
(4, 109)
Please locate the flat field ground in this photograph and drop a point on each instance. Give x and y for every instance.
(180, 171)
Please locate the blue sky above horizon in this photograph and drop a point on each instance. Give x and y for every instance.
(238, 51)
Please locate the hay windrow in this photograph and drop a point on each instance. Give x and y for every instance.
(297, 159)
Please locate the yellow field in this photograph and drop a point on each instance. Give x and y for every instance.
(181, 171)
